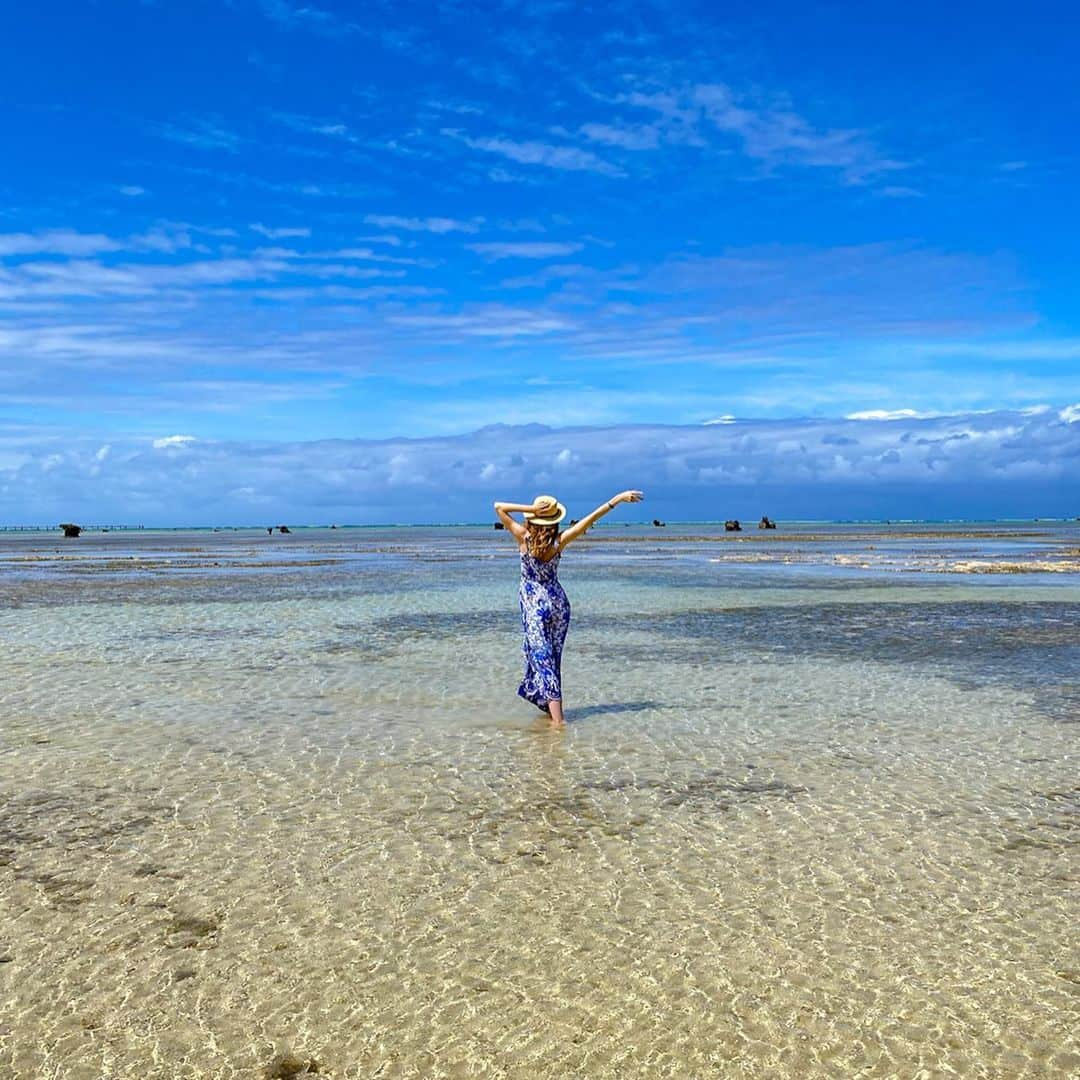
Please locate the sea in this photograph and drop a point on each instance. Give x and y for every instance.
(269, 803)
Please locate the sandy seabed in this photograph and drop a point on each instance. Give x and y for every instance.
(238, 838)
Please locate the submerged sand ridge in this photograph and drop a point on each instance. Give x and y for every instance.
(240, 829)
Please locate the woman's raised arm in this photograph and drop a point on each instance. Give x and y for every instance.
(579, 528)
(505, 509)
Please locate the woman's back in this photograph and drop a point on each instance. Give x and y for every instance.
(545, 571)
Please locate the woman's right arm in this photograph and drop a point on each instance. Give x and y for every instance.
(505, 509)
(579, 528)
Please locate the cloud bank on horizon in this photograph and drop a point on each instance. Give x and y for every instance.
(1018, 463)
(227, 226)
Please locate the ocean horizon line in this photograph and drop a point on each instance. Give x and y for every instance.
(328, 526)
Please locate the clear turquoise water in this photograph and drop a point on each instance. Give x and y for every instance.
(815, 811)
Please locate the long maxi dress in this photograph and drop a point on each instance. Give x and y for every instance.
(545, 618)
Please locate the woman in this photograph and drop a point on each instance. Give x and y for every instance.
(545, 610)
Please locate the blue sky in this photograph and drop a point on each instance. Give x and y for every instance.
(235, 234)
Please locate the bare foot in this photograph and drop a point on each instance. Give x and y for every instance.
(555, 712)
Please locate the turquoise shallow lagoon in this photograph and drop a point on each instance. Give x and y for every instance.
(815, 812)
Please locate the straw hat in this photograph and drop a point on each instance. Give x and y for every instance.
(549, 511)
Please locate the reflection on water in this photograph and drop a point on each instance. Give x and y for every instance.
(798, 825)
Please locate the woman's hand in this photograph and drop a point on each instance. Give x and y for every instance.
(629, 496)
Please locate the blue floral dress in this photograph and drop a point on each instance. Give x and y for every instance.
(545, 618)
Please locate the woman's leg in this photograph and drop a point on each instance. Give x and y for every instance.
(560, 623)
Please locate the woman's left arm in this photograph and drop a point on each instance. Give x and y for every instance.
(578, 528)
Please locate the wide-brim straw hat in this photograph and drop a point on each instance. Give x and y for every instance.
(549, 511)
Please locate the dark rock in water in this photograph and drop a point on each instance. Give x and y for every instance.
(657, 523)
(499, 525)
(766, 522)
(71, 530)
(333, 526)
(283, 529)
(732, 525)
(199, 925)
(190, 931)
(572, 521)
(286, 1066)
(269, 530)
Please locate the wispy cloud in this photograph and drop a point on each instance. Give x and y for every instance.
(279, 233)
(888, 414)
(382, 238)
(310, 125)
(486, 321)
(56, 242)
(546, 155)
(524, 249)
(438, 225)
(542, 198)
(71, 242)
(199, 132)
(639, 137)
(770, 132)
(307, 17)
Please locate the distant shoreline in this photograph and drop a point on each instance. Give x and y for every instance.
(748, 526)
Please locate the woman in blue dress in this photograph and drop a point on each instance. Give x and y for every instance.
(545, 610)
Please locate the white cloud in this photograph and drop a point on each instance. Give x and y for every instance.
(488, 321)
(278, 233)
(305, 16)
(199, 132)
(524, 249)
(132, 190)
(630, 137)
(312, 126)
(436, 225)
(173, 441)
(56, 242)
(769, 131)
(887, 414)
(77, 244)
(548, 155)
(1005, 459)
(383, 238)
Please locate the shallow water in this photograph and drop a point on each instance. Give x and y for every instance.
(267, 794)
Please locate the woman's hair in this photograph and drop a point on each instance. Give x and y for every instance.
(541, 540)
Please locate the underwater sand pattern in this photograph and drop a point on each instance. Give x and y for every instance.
(244, 835)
